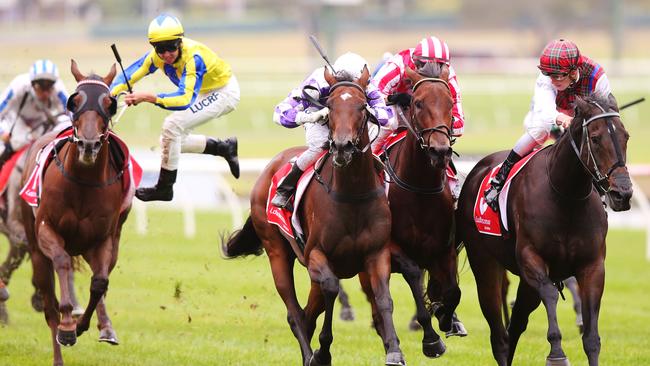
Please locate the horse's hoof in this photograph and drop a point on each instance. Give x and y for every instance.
(108, 335)
(347, 314)
(557, 361)
(77, 311)
(395, 359)
(316, 360)
(37, 302)
(66, 337)
(414, 326)
(4, 294)
(457, 329)
(434, 349)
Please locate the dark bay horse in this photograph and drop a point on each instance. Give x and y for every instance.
(422, 207)
(346, 220)
(82, 207)
(558, 228)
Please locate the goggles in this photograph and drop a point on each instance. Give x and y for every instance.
(43, 84)
(557, 76)
(166, 46)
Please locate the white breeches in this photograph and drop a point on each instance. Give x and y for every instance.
(176, 138)
(538, 130)
(316, 137)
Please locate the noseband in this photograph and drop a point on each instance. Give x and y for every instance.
(419, 133)
(600, 181)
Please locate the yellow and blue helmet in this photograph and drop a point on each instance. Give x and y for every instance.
(165, 27)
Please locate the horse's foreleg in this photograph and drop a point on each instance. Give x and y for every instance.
(378, 269)
(432, 344)
(52, 245)
(17, 251)
(77, 310)
(104, 325)
(327, 284)
(572, 284)
(43, 281)
(347, 313)
(377, 322)
(282, 261)
(100, 259)
(534, 271)
(527, 300)
(442, 289)
(591, 281)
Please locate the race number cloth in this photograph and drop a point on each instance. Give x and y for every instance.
(284, 218)
(131, 178)
(398, 136)
(486, 220)
(5, 173)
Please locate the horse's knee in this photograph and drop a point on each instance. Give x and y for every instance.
(98, 286)
(330, 286)
(62, 262)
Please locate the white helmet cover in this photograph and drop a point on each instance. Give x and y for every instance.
(44, 70)
(349, 64)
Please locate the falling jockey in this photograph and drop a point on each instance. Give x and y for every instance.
(296, 110)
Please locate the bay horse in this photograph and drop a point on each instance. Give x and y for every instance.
(82, 207)
(346, 221)
(558, 228)
(422, 206)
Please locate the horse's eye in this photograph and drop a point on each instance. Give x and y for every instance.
(595, 139)
(418, 104)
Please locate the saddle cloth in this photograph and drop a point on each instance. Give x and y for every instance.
(486, 220)
(9, 166)
(131, 178)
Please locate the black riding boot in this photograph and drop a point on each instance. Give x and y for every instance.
(226, 148)
(6, 154)
(162, 191)
(496, 184)
(287, 188)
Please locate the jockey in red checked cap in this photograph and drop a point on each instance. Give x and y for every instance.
(564, 74)
(396, 87)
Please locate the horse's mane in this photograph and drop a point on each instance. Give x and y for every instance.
(431, 70)
(344, 75)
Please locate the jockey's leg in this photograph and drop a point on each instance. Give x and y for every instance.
(6, 154)
(226, 148)
(287, 187)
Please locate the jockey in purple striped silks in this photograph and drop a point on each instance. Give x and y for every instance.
(296, 111)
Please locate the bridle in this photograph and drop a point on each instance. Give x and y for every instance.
(92, 94)
(368, 116)
(413, 122)
(600, 180)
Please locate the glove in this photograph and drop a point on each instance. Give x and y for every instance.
(401, 99)
(304, 117)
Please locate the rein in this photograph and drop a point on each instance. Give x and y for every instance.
(599, 180)
(345, 197)
(60, 165)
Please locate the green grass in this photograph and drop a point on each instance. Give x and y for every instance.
(229, 313)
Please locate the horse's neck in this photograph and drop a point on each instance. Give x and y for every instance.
(567, 174)
(357, 177)
(414, 164)
(97, 172)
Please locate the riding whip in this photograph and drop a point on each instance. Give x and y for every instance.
(119, 61)
(631, 103)
(314, 41)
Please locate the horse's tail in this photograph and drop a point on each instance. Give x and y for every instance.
(242, 242)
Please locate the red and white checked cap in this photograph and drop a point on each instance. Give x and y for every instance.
(560, 56)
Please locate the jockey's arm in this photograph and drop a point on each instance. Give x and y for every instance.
(136, 71)
(457, 110)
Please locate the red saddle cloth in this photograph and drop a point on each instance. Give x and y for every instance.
(284, 218)
(131, 178)
(5, 173)
(487, 220)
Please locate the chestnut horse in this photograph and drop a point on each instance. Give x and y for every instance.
(346, 220)
(557, 227)
(422, 207)
(80, 210)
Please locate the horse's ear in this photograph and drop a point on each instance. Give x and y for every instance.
(331, 80)
(75, 71)
(109, 104)
(444, 72)
(581, 106)
(108, 79)
(365, 76)
(613, 104)
(412, 75)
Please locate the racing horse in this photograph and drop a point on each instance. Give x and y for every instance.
(557, 227)
(83, 204)
(346, 221)
(422, 206)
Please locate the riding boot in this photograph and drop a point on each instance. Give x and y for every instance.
(287, 188)
(162, 191)
(497, 182)
(7, 153)
(226, 148)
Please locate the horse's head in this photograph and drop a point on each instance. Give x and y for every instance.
(92, 106)
(602, 148)
(431, 120)
(348, 115)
